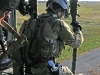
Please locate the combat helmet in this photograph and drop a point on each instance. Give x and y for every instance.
(62, 3)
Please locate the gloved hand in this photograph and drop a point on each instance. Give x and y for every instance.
(76, 26)
(5, 14)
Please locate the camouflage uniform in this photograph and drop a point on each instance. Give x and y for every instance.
(45, 43)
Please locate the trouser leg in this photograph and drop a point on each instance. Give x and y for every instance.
(17, 61)
(17, 68)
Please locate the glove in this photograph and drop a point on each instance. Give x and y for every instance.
(4, 15)
(1, 19)
(76, 26)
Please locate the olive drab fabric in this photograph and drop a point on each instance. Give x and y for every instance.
(45, 37)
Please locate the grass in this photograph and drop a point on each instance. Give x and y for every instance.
(90, 22)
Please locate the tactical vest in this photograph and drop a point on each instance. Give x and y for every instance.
(43, 37)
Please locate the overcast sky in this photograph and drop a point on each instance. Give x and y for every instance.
(78, 0)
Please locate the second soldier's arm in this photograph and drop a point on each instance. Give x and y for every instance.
(8, 5)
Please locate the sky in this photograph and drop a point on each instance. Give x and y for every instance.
(78, 0)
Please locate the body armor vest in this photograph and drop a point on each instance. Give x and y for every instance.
(43, 35)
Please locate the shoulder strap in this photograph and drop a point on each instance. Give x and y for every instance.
(24, 25)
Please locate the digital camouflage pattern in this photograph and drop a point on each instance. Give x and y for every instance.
(49, 40)
(47, 36)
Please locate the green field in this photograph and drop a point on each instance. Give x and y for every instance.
(90, 22)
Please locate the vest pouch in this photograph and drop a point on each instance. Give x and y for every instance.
(40, 69)
(33, 53)
(46, 50)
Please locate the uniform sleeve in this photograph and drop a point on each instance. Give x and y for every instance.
(72, 39)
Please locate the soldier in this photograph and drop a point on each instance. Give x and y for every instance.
(47, 36)
(3, 33)
(46, 42)
(5, 8)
